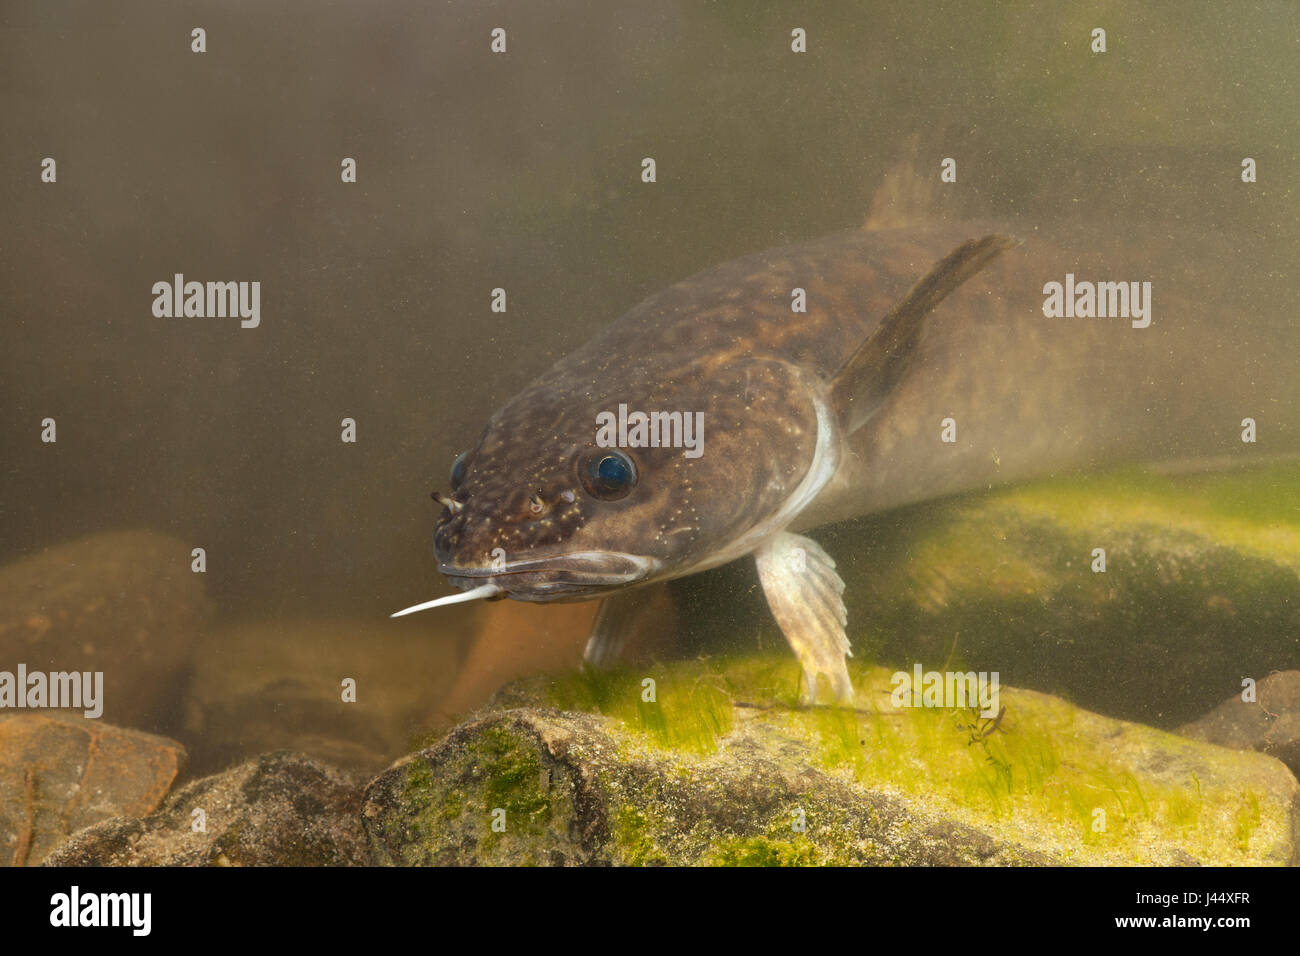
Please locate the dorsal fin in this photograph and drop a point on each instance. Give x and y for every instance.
(861, 384)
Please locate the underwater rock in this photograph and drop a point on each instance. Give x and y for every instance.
(720, 768)
(279, 686)
(568, 799)
(1270, 723)
(125, 604)
(1201, 586)
(280, 809)
(60, 774)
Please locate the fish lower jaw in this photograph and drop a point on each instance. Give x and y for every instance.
(558, 577)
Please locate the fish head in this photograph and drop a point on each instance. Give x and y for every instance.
(576, 489)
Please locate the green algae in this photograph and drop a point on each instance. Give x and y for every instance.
(687, 714)
(764, 851)
(1252, 509)
(633, 836)
(512, 775)
(1064, 775)
(1040, 770)
(499, 771)
(420, 798)
(1246, 820)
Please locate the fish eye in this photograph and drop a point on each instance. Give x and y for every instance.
(609, 475)
(458, 470)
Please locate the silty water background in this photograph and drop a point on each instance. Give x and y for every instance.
(521, 171)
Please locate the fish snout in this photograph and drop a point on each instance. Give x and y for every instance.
(574, 575)
(448, 531)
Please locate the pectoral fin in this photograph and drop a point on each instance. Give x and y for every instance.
(879, 364)
(803, 592)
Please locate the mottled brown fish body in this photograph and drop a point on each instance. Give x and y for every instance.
(911, 375)
(1029, 395)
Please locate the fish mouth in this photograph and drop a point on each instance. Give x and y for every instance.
(574, 575)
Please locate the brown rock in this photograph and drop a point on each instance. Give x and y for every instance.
(280, 809)
(126, 604)
(60, 774)
(1269, 724)
(278, 685)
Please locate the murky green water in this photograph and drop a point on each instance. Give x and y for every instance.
(522, 171)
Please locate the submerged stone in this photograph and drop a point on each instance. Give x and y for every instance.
(279, 685)
(124, 604)
(720, 768)
(1269, 723)
(59, 774)
(280, 809)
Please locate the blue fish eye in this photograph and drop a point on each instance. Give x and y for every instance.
(458, 470)
(609, 475)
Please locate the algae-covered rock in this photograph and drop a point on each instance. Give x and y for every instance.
(280, 809)
(564, 793)
(713, 764)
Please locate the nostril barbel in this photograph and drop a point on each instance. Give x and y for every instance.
(448, 502)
